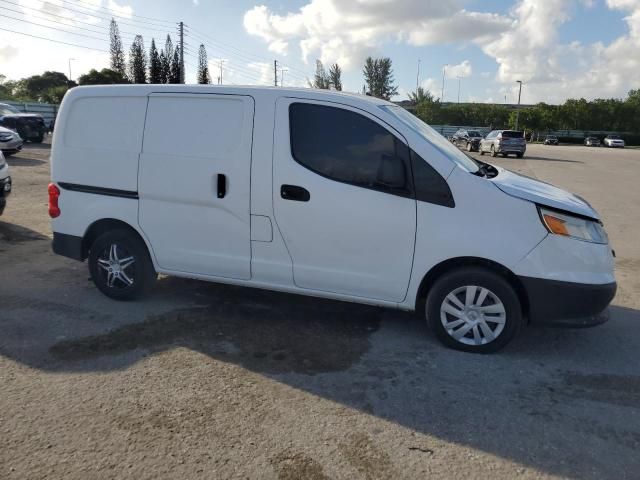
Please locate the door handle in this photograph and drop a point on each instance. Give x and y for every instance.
(295, 193)
(222, 185)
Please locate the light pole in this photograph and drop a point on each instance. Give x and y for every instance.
(282, 70)
(459, 77)
(519, 96)
(70, 68)
(444, 71)
(418, 77)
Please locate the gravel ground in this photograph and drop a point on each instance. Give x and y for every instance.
(210, 381)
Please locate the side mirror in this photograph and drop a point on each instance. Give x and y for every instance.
(391, 173)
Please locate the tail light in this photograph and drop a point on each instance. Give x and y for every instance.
(54, 194)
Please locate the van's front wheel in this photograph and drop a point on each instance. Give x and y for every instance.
(473, 309)
(120, 265)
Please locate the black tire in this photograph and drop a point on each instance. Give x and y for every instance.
(38, 139)
(469, 147)
(493, 151)
(498, 287)
(139, 272)
(519, 155)
(480, 150)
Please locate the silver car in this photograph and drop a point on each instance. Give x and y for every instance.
(504, 142)
(613, 141)
(10, 141)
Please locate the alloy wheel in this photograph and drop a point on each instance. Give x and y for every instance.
(115, 265)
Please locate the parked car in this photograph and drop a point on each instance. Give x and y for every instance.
(613, 141)
(10, 142)
(30, 126)
(550, 140)
(5, 182)
(468, 139)
(318, 193)
(504, 142)
(592, 142)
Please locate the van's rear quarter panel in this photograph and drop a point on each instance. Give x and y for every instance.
(99, 141)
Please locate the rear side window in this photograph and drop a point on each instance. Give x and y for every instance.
(348, 147)
(430, 186)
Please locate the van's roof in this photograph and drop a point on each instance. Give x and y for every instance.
(254, 91)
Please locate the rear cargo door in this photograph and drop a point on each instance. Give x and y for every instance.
(194, 183)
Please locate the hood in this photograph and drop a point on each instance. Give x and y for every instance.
(542, 193)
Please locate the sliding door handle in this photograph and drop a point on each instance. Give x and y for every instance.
(293, 192)
(222, 185)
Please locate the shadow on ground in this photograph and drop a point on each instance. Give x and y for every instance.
(548, 401)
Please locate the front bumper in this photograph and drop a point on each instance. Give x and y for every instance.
(11, 147)
(5, 190)
(566, 303)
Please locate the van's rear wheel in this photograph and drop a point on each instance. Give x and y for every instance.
(120, 265)
(473, 309)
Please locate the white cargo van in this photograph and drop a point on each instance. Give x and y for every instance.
(319, 193)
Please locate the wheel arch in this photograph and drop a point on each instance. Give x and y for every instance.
(448, 265)
(104, 225)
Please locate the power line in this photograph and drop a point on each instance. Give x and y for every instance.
(248, 56)
(120, 16)
(55, 41)
(97, 16)
(52, 28)
(66, 19)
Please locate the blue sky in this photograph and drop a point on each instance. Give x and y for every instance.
(559, 48)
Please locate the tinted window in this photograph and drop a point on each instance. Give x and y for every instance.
(347, 147)
(511, 134)
(429, 185)
(473, 133)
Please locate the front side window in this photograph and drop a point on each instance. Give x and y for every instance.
(347, 147)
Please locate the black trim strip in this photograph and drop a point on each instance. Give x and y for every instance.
(109, 192)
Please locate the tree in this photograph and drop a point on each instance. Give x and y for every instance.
(166, 61)
(203, 66)
(174, 68)
(137, 61)
(379, 77)
(320, 79)
(155, 65)
(420, 95)
(117, 55)
(106, 76)
(335, 77)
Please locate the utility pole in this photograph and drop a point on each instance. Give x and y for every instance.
(70, 69)
(181, 52)
(275, 73)
(518, 111)
(220, 63)
(418, 78)
(282, 70)
(444, 71)
(459, 77)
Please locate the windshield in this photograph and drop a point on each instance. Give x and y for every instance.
(474, 134)
(433, 137)
(8, 109)
(614, 137)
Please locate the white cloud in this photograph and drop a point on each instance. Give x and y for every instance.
(554, 71)
(121, 10)
(460, 70)
(347, 31)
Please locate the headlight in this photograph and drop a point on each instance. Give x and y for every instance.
(574, 227)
